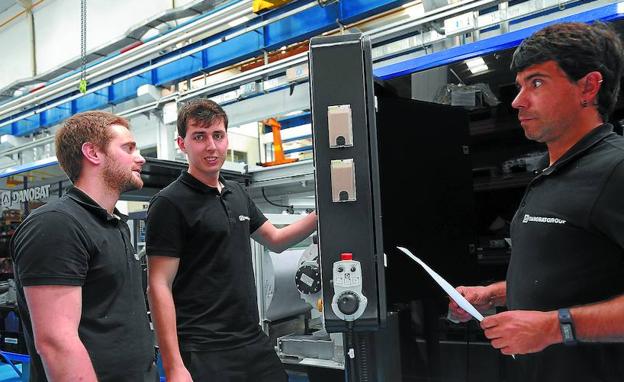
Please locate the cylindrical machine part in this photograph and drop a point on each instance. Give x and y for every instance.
(281, 297)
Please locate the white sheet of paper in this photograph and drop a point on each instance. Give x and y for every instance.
(448, 288)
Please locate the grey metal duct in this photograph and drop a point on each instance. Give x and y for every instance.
(132, 36)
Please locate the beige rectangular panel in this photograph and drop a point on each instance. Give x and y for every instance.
(343, 180)
(340, 126)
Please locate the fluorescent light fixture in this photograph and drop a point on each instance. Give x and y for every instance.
(293, 113)
(620, 7)
(476, 65)
(239, 21)
(479, 69)
(474, 62)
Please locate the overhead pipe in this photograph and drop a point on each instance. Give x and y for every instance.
(375, 34)
(216, 19)
(273, 68)
(119, 45)
(171, 59)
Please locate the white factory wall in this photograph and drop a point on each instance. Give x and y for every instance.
(15, 48)
(57, 31)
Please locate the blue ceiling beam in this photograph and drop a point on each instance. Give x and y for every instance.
(489, 45)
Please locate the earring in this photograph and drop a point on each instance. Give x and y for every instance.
(584, 103)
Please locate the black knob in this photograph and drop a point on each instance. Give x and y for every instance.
(348, 303)
(308, 279)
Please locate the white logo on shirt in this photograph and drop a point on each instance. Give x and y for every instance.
(243, 218)
(541, 219)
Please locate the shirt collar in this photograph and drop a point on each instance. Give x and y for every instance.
(88, 203)
(590, 139)
(198, 185)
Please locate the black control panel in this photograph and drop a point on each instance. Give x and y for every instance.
(347, 182)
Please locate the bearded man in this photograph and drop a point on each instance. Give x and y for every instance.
(79, 287)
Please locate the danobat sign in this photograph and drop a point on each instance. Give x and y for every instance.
(27, 195)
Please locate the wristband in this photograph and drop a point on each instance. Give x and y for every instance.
(566, 325)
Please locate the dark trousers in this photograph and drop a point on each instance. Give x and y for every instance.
(256, 362)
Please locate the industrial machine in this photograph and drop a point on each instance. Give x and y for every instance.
(315, 346)
(366, 140)
(349, 200)
(291, 305)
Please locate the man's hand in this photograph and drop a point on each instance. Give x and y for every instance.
(522, 331)
(479, 296)
(179, 374)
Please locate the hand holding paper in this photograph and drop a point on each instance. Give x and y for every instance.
(448, 288)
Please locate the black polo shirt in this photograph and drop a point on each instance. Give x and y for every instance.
(73, 241)
(214, 290)
(568, 249)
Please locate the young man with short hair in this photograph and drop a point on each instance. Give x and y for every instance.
(201, 283)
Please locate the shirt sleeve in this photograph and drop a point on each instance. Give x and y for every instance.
(256, 217)
(164, 231)
(608, 212)
(51, 248)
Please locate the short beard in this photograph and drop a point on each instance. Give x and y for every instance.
(119, 180)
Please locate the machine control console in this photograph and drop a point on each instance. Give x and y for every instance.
(348, 302)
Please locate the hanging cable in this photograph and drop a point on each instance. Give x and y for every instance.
(82, 85)
(290, 209)
(351, 369)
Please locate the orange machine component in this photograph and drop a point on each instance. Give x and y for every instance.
(265, 5)
(278, 149)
